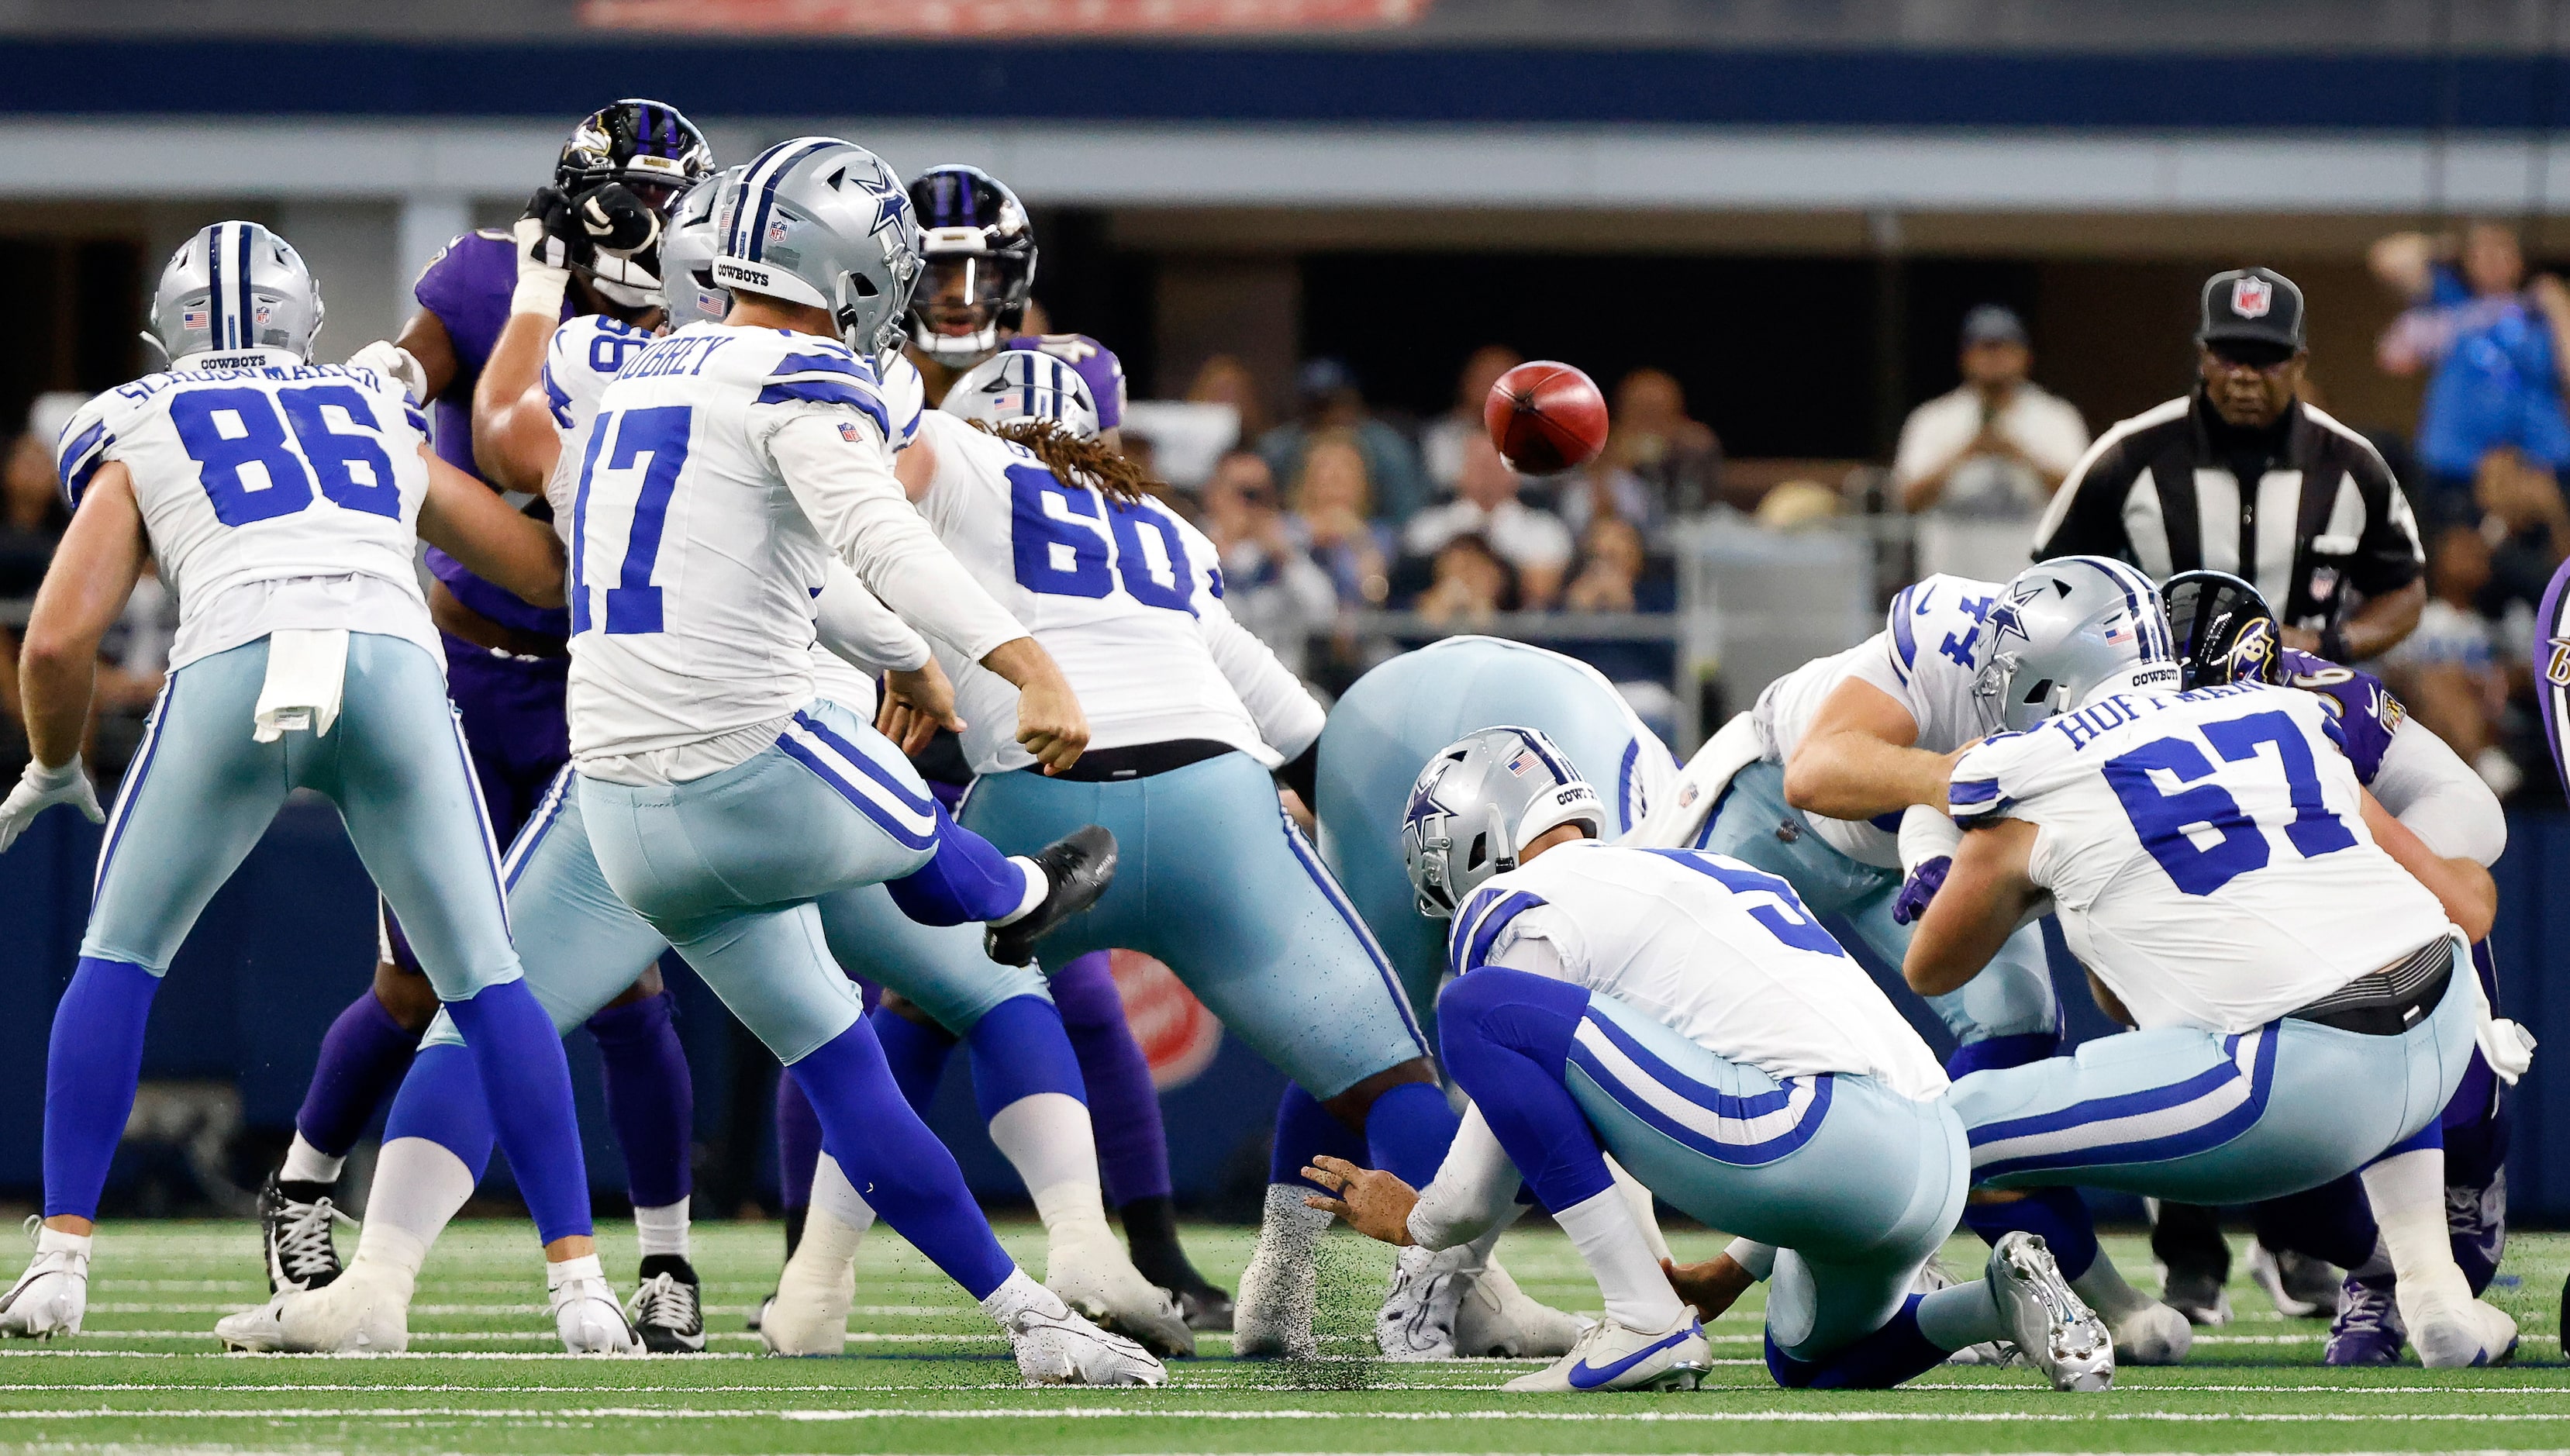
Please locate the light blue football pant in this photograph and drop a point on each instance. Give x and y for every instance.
(202, 791)
(1854, 1184)
(2012, 997)
(1215, 882)
(582, 946)
(1396, 717)
(730, 867)
(2203, 1118)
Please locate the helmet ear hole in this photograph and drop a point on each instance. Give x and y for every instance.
(1479, 853)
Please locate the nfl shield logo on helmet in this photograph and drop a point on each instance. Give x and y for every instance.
(2252, 298)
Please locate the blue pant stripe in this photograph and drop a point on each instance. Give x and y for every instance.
(1339, 902)
(1735, 1138)
(481, 814)
(133, 791)
(864, 764)
(900, 834)
(2215, 1126)
(531, 835)
(1625, 805)
(1738, 1108)
(2106, 1109)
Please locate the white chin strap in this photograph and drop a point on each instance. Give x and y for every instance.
(956, 350)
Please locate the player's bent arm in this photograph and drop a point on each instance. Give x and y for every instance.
(515, 442)
(2462, 886)
(1986, 894)
(2437, 797)
(855, 624)
(426, 338)
(1856, 759)
(2383, 623)
(462, 518)
(84, 591)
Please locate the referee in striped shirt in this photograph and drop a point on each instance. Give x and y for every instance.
(2240, 475)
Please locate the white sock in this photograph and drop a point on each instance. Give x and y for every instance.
(1645, 1211)
(2104, 1287)
(55, 1241)
(1958, 1315)
(1048, 1139)
(1037, 888)
(419, 1188)
(390, 1251)
(1758, 1258)
(2408, 1197)
(307, 1164)
(1603, 1230)
(1017, 1293)
(662, 1230)
(832, 1194)
(559, 1272)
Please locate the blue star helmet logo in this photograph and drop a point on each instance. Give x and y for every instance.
(2005, 621)
(892, 199)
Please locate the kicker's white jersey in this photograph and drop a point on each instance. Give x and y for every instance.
(1927, 657)
(253, 478)
(1128, 599)
(693, 567)
(1723, 954)
(2206, 851)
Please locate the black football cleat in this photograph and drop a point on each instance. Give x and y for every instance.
(295, 1221)
(668, 1308)
(1078, 867)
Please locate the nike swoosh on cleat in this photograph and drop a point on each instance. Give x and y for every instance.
(1585, 1376)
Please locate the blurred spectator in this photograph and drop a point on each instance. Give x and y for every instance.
(1611, 560)
(32, 514)
(1330, 401)
(1799, 505)
(2495, 344)
(2447, 671)
(2527, 524)
(1269, 583)
(1677, 459)
(1981, 461)
(1470, 585)
(1223, 379)
(1333, 505)
(1603, 490)
(1534, 543)
(1441, 445)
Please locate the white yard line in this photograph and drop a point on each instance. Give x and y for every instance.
(1651, 1417)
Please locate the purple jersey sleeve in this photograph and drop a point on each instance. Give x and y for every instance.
(468, 287)
(1095, 362)
(2367, 713)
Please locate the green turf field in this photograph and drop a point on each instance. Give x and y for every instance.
(926, 1375)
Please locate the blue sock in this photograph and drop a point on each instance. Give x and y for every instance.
(92, 1062)
(915, 1053)
(1505, 1037)
(651, 1099)
(1408, 1131)
(442, 1101)
(967, 880)
(528, 1083)
(896, 1162)
(1879, 1361)
(1992, 1053)
(2057, 1214)
(1305, 1130)
(363, 1056)
(1020, 1049)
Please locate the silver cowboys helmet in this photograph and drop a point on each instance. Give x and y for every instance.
(233, 288)
(825, 224)
(1017, 384)
(2066, 627)
(1478, 803)
(688, 248)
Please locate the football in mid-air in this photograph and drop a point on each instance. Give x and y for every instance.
(1546, 416)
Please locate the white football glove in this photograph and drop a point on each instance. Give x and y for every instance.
(396, 363)
(40, 787)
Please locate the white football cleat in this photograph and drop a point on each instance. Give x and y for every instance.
(2152, 1334)
(1610, 1356)
(2049, 1323)
(1280, 1291)
(1416, 1318)
(1498, 1320)
(365, 1311)
(1066, 1349)
(591, 1321)
(1095, 1275)
(2452, 1332)
(259, 1331)
(808, 1314)
(53, 1294)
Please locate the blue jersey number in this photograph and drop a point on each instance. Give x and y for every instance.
(658, 436)
(1769, 899)
(2171, 823)
(226, 431)
(1060, 552)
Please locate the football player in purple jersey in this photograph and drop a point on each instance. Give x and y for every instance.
(584, 246)
(2224, 633)
(2552, 693)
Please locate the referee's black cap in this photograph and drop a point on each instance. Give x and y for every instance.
(2252, 304)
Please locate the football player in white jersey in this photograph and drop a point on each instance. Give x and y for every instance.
(2304, 1003)
(1687, 1013)
(1190, 714)
(723, 796)
(283, 502)
(582, 943)
(1810, 785)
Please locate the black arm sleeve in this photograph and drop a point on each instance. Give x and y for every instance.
(1302, 775)
(2388, 555)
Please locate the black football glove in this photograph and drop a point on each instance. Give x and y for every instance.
(615, 220)
(555, 239)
